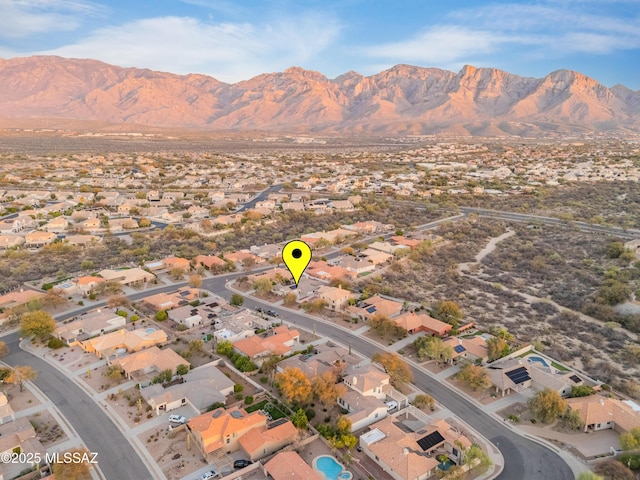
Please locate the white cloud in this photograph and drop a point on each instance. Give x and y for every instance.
(228, 51)
(22, 18)
(531, 30)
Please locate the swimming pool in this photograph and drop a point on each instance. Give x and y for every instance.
(150, 330)
(538, 359)
(331, 468)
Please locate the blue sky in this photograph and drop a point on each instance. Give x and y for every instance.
(236, 40)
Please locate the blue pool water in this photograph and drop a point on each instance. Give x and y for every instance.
(444, 466)
(539, 360)
(331, 469)
(150, 330)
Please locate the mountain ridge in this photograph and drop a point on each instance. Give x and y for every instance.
(403, 99)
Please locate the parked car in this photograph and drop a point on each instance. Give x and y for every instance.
(241, 463)
(177, 419)
(392, 404)
(271, 313)
(259, 309)
(208, 475)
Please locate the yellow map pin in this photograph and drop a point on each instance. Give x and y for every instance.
(296, 255)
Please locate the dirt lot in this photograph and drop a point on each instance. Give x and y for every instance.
(130, 406)
(169, 449)
(48, 430)
(99, 381)
(19, 400)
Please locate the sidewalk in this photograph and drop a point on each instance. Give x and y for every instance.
(137, 445)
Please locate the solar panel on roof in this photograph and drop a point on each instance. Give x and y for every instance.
(184, 294)
(575, 379)
(459, 349)
(519, 375)
(371, 309)
(430, 441)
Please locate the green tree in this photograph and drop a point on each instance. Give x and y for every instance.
(589, 476)
(182, 369)
(290, 299)
(477, 458)
(630, 440)
(572, 419)
(433, 348)
(21, 374)
(295, 385)
(474, 376)
(581, 391)
(38, 323)
(547, 405)
(300, 420)
(398, 370)
(161, 316)
(113, 372)
(225, 347)
(423, 400)
(497, 348)
(263, 286)
(236, 300)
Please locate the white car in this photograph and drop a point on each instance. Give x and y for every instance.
(208, 475)
(177, 419)
(391, 405)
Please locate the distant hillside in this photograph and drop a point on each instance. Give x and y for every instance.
(401, 100)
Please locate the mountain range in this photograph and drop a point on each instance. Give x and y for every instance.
(402, 100)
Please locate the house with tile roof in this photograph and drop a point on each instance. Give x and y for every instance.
(201, 387)
(263, 441)
(87, 283)
(107, 345)
(220, 430)
(421, 322)
(211, 262)
(290, 466)
(601, 413)
(39, 239)
(472, 349)
(281, 341)
(90, 324)
(147, 363)
(336, 297)
(375, 305)
(128, 276)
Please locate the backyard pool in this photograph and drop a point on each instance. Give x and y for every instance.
(539, 360)
(331, 468)
(150, 330)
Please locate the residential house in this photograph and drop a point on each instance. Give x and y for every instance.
(87, 283)
(292, 206)
(398, 452)
(386, 247)
(39, 239)
(421, 322)
(509, 375)
(263, 441)
(267, 251)
(210, 262)
(167, 301)
(471, 349)
(144, 364)
(243, 257)
(201, 387)
(57, 225)
(6, 412)
(20, 436)
(187, 315)
(128, 277)
(90, 224)
(601, 413)
(358, 266)
(18, 298)
(11, 241)
(376, 305)
(336, 297)
(220, 431)
(290, 466)
(376, 256)
(170, 263)
(324, 271)
(325, 357)
(90, 324)
(280, 341)
(16, 224)
(109, 344)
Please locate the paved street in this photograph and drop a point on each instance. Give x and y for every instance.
(116, 456)
(538, 462)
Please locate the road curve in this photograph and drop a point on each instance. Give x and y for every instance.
(116, 457)
(524, 459)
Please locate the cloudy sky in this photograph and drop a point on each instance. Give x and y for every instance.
(236, 40)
